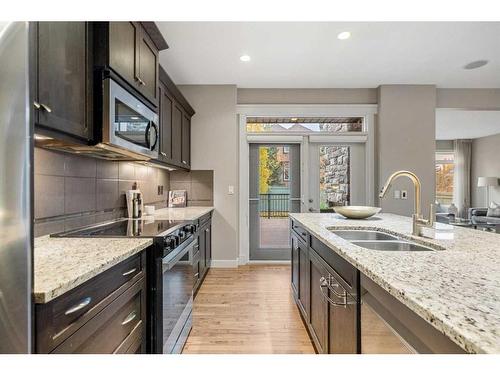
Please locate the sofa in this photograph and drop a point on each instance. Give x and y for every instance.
(442, 214)
(478, 215)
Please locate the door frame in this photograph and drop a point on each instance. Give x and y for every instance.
(367, 111)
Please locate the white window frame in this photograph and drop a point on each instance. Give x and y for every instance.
(366, 111)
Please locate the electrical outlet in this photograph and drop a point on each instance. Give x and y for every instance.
(404, 194)
(397, 194)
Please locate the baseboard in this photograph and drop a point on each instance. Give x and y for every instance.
(231, 263)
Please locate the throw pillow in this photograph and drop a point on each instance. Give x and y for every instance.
(493, 210)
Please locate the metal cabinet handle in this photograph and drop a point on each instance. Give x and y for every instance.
(84, 302)
(46, 107)
(129, 272)
(325, 284)
(129, 318)
(140, 81)
(196, 274)
(36, 104)
(304, 233)
(207, 230)
(164, 154)
(184, 162)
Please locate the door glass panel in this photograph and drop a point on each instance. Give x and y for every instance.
(333, 177)
(130, 125)
(274, 193)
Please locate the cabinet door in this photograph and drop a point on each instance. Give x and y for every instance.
(203, 250)
(166, 106)
(186, 140)
(318, 317)
(123, 51)
(208, 246)
(177, 134)
(295, 265)
(63, 77)
(304, 279)
(342, 331)
(148, 67)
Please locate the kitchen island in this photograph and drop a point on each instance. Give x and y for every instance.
(455, 289)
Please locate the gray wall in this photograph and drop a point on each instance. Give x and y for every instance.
(485, 162)
(444, 145)
(307, 96)
(406, 140)
(73, 191)
(474, 99)
(214, 146)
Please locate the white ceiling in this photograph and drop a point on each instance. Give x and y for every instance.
(455, 124)
(309, 55)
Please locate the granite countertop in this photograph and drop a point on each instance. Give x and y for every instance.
(61, 264)
(455, 288)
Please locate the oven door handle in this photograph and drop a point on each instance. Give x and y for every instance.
(176, 256)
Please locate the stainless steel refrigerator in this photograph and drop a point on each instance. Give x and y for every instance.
(15, 191)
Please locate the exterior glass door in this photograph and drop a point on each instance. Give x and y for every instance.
(274, 193)
(336, 175)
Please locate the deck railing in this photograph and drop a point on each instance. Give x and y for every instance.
(274, 205)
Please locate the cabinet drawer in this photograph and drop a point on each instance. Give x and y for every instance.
(112, 330)
(205, 219)
(301, 232)
(58, 319)
(349, 275)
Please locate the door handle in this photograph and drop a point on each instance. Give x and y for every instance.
(129, 272)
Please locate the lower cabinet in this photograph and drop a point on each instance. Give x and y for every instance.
(105, 315)
(328, 304)
(205, 249)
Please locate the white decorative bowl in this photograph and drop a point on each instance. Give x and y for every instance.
(357, 212)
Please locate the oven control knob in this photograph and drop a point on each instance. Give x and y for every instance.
(171, 242)
(191, 228)
(182, 234)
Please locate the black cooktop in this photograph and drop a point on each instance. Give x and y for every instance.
(126, 228)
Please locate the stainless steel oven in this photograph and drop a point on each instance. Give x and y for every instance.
(127, 123)
(172, 282)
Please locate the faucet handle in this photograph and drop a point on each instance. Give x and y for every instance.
(432, 214)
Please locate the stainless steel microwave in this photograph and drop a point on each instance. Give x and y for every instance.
(128, 129)
(127, 123)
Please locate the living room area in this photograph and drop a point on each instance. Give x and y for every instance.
(468, 168)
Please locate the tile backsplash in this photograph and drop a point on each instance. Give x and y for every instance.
(73, 191)
(198, 184)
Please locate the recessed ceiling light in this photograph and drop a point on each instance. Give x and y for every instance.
(344, 35)
(245, 58)
(475, 64)
(294, 119)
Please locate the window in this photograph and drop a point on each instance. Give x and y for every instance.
(445, 167)
(304, 125)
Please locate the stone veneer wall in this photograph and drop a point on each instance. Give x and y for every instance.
(335, 178)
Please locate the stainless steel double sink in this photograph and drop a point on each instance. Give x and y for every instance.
(377, 240)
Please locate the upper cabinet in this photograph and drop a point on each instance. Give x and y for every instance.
(175, 124)
(129, 50)
(62, 79)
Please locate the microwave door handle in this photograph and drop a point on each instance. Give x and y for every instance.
(153, 144)
(146, 135)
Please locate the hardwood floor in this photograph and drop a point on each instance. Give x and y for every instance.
(249, 309)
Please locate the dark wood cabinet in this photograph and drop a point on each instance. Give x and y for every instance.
(318, 306)
(63, 79)
(205, 248)
(177, 134)
(166, 114)
(327, 300)
(175, 126)
(106, 314)
(128, 49)
(186, 140)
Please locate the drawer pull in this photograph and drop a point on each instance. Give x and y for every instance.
(129, 272)
(79, 306)
(37, 105)
(163, 154)
(196, 274)
(129, 318)
(326, 284)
